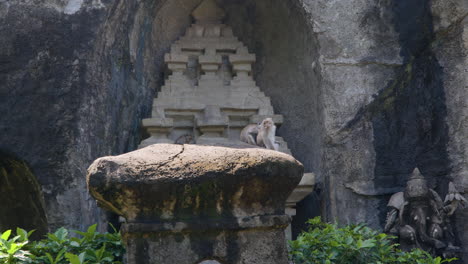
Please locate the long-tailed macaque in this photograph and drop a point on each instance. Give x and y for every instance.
(249, 133)
(264, 134)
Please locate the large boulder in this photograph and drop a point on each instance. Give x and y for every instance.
(213, 198)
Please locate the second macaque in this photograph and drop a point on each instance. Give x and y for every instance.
(265, 134)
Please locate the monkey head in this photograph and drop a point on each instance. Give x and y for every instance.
(267, 123)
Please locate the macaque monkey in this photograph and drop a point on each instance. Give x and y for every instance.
(249, 133)
(264, 133)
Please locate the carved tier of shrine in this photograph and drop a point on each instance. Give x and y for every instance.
(210, 94)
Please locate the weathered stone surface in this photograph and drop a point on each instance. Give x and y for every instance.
(165, 181)
(42, 68)
(451, 49)
(186, 203)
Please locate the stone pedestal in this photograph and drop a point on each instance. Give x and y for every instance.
(198, 204)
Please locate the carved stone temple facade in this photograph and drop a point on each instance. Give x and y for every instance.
(211, 94)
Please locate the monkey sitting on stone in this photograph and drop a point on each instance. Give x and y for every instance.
(265, 134)
(249, 133)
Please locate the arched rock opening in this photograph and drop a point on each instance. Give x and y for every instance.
(21, 196)
(136, 36)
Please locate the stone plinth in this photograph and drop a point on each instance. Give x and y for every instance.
(189, 203)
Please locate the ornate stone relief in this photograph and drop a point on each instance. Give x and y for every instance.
(421, 219)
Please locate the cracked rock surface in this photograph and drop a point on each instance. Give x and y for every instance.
(177, 182)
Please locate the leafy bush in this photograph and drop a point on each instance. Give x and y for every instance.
(88, 247)
(353, 244)
(11, 249)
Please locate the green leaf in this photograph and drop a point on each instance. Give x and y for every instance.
(60, 255)
(30, 232)
(53, 237)
(6, 234)
(22, 233)
(73, 259)
(368, 243)
(100, 252)
(92, 229)
(50, 258)
(82, 257)
(74, 244)
(61, 233)
(14, 247)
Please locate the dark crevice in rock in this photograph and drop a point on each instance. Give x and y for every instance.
(409, 127)
(22, 202)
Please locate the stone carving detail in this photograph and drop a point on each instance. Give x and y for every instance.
(421, 219)
(210, 93)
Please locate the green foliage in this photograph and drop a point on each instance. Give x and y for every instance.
(60, 247)
(353, 244)
(11, 249)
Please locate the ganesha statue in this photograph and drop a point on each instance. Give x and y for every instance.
(419, 218)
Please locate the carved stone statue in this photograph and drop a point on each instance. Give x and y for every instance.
(420, 219)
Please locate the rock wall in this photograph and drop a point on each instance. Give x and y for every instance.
(368, 89)
(43, 59)
(451, 50)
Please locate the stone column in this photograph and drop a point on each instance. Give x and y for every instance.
(242, 66)
(159, 129)
(212, 126)
(210, 64)
(198, 204)
(177, 63)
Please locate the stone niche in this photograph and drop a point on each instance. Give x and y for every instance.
(211, 95)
